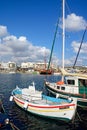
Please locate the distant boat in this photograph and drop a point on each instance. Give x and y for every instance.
(35, 102)
(46, 72)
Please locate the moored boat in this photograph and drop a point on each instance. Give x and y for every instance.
(71, 84)
(46, 72)
(74, 86)
(44, 106)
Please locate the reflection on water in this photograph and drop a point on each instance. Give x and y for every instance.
(24, 120)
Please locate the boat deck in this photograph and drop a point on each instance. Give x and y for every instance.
(39, 100)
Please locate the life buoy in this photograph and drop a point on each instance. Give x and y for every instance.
(60, 82)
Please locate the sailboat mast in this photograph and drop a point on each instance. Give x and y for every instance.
(63, 33)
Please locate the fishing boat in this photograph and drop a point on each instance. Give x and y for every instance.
(74, 86)
(37, 103)
(71, 84)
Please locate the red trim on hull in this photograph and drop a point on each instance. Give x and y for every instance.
(57, 106)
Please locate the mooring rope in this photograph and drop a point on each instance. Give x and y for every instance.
(14, 127)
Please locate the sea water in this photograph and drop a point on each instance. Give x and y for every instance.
(26, 121)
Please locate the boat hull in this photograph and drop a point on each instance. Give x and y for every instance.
(46, 72)
(64, 113)
(81, 101)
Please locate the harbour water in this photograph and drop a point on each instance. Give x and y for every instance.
(27, 121)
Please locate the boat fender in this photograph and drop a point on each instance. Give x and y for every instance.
(25, 105)
(70, 99)
(6, 121)
(11, 98)
(57, 95)
(60, 83)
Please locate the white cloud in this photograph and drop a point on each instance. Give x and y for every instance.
(3, 30)
(20, 49)
(22, 39)
(75, 23)
(70, 61)
(76, 45)
(82, 57)
(9, 38)
(67, 62)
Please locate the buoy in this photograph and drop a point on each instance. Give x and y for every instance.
(70, 99)
(6, 121)
(57, 95)
(25, 105)
(60, 83)
(11, 98)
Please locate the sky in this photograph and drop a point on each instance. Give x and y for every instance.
(27, 29)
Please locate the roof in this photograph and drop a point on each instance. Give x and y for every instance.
(78, 75)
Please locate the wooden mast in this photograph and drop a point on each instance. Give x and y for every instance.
(63, 34)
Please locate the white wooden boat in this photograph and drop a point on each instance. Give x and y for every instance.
(39, 104)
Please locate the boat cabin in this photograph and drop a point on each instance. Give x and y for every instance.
(75, 85)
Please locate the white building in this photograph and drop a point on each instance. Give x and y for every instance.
(26, 65)
(8, 66)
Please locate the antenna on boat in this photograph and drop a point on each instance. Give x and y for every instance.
(80, 47)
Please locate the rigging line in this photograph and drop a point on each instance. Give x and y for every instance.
(54, 41)
(80, 47)
(67, 7)
(53, 44)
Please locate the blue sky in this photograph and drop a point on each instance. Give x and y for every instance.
(27, 30)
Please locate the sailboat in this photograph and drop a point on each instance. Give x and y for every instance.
(45, 70)
(72, 84)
